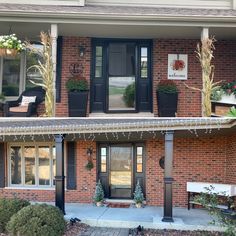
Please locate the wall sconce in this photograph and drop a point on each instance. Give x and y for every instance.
(81, 51)
(89, 152)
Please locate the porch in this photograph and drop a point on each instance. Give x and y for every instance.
(148, 217)
(143, 38)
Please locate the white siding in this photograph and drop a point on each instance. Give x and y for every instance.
(46, 2)
(223, 4)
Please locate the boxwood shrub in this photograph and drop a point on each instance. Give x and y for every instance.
(37, 220)
(8, 207)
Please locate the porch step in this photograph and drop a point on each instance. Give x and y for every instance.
(112, 115)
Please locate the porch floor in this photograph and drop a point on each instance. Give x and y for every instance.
(148, 217)
(115, 115)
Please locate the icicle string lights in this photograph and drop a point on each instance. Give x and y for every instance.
(25, 130)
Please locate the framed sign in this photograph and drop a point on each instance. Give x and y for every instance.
(178, 66)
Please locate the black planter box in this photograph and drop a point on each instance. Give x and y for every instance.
(77, 102)
(167, 104)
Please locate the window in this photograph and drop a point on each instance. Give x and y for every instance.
(32, 165)
(139, 157)
(103, 159)
(16, 73)
(98, 63)
(144, 62)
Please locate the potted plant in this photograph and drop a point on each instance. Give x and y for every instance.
(77, 96)
(10, 45)
(99, 194)
(167, 98)
(138, 196)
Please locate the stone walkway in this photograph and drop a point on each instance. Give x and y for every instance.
(96, 231)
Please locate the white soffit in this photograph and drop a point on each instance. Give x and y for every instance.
(46, 2)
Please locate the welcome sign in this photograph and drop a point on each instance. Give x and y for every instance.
(178, 66)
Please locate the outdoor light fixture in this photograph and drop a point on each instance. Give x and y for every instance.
(81, 51)
(89, 152)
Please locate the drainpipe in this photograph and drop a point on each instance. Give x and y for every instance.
(54, 35)
(168, 205)
(60, 177)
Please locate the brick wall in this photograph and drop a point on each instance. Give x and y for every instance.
(70, 55)
(231, 160)
(195, 159)
(189, 104)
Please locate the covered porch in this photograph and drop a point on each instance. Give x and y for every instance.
(182, 143)
(156, 32)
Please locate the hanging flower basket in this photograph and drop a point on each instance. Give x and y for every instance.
(10, 45)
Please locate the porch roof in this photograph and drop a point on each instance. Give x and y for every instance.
(118, 11)
(47, 126)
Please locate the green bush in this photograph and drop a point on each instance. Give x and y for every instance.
(167, 86)
(76, 84)
(129, 95)
(37, 220)
(8, 207)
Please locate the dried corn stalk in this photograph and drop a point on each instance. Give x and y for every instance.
(205, 55)
(45, 68)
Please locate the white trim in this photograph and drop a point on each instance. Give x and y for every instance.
(205, 33)
(47, 2)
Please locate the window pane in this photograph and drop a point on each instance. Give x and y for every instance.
(98, 62)
(32, 74)
(139, 159)
(144, 62)
(44, 165)
(15, 165)
(29, 155)
(11, 76)
(103, 159)
(122, 59)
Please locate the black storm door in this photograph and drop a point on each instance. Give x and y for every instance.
(121, 76)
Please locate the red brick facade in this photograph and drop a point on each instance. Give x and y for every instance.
(209, 159)
(189, 104)
(231, 160)
(70, 55)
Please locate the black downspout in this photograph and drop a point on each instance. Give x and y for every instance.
(168, 205)
(60, 178)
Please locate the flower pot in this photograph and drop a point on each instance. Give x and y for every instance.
(138, 205)
(99, 204)
(167, 104)
(77, 103)
(2, 52)
(11, 52)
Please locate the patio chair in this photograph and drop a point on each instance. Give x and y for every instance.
(26, 105)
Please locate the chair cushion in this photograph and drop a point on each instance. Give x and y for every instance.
(19, 109)
(26, 100)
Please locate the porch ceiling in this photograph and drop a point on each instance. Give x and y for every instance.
(111, 129)
(31, 31)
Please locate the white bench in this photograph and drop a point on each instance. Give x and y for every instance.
(223, 190)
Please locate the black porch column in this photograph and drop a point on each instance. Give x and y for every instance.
(168, 208)
(60, 178)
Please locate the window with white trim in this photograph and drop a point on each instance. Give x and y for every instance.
(16, 73)
(32, 165)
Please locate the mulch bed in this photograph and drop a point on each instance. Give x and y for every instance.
(75, 229)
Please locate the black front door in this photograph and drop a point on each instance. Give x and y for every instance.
(121, 76)
(119, 169)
